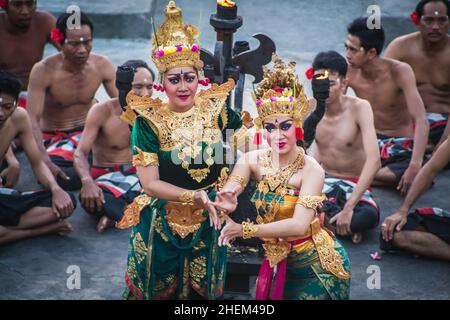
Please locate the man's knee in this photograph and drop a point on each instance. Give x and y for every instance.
(3, 231)
(365, 217)
(386, 175)
(400, 239)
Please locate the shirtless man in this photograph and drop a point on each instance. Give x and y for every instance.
(428, 53)
(24, 32)
(346, 147)
(399, 114)
(61, 91)
(112, 182)
(425, 231)
(27, 214)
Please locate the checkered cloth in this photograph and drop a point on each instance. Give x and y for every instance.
(347, 186)
(62, 143)
(119, 180)
(395, 147)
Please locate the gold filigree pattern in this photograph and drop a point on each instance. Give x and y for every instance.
(145, 159)
(291, 102)
(330, 259)
(276, 176)
(276, 251)
(198, 269)
(131, 216)
(239, 179)
(311, 202)
(223, 177)
(240, 138)
(187, 197)
(171, 34)
(183, 219)
(160, 230)
(187, 133)
(128, 116)
(249, 230)
(132, 273)
(140, 249)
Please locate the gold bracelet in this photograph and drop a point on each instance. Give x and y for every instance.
(249, 230)
(239, 179)
(187, 197)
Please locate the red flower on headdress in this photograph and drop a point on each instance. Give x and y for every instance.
(57, 35)
(309, 73)
(415, 18)
(3, 4)
(278, 89)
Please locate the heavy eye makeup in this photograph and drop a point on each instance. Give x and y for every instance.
(284, 126)
(188, 77)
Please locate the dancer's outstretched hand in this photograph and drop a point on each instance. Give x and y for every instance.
(226, 201)
(231, 231)
(201, 199)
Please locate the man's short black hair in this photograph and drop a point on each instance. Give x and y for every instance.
(420, 8)
(331, 60)
(10, 84)
(139, 64)
(370, 38)
(61, 23)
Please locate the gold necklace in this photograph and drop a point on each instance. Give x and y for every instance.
(188, 130)
(277, 176)
(274, 179)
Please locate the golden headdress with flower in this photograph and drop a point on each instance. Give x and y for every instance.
(174, 42)
(281, 94)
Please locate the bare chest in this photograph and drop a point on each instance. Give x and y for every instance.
(69, 89)
(432, 71)
(114, 134)
(383, 94)
(337, 134)
(21, 51)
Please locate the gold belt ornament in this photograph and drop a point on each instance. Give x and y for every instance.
(184, 219)
(276, 250)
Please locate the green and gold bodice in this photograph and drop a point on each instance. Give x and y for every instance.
(188, 146)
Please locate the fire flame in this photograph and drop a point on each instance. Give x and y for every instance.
(226, 3)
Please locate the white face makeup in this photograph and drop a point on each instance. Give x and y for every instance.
(436, 13)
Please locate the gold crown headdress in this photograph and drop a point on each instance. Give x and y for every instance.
(174, 42)
(280, 94)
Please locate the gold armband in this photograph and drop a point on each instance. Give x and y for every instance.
(249, 230)
(311, 202)
(239, 179)
(187, 197)
(144, 159)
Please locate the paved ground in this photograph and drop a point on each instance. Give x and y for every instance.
(37, 268)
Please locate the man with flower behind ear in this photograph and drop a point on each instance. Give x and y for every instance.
(428, 53)
(62, 90)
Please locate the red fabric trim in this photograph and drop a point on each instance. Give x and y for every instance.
(135, 291)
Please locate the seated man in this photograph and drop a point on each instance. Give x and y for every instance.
(28, 214)
(26, 31)
(428, 54)
(346, 147)
(399, 115)
(61, 91)
(112, 182)
(425, 231)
